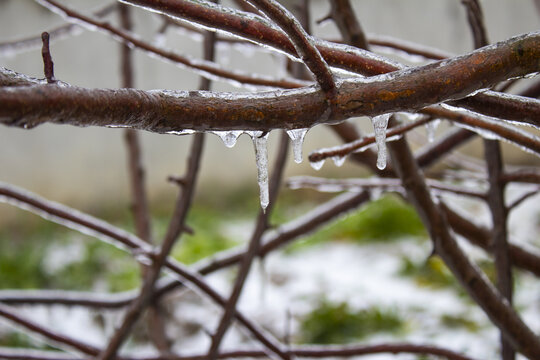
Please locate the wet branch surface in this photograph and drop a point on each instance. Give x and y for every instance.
(168, 111)
(461, 82)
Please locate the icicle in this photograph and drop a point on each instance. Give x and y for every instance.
(297, 139)
(339, 160)
(261, 158)
(431, 127)
(229, 137)
(379, 126)
(317, 165)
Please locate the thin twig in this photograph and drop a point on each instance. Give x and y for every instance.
(297, 351)
(60, 32)
(522, 258)
(387, 184)
(207, 67)
(443, 146)
(495, 194)
(523, 175)
(445, 245)
(136, 169)
(303, 44)
(522, 198)
(252, 251)
(357, 145)
(48, 65)
(7, 313)
(476, 22)
(408, 47)
(344, 17)
(352, 33)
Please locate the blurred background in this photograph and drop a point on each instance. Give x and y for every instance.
(315, 289)
(83, 166)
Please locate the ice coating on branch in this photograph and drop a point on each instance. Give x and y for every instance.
(297, 139)
(317, 165)
(181, 132)
(380, 124)
(78, 221)
(260, 140)
(525, 140)
(431, 128)
(339, 160)
(229, 137)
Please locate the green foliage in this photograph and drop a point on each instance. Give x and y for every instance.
(21, 265)
(19, 340)
(386, 219)
(207, 238)
(432, 273)
(461, 321)
(333, 323)
(24, 251)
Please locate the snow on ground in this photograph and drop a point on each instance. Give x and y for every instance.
(286, 286)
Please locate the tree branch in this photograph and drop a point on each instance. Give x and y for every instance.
(470, 277)
(297, 351)
(302, 43)
(258, 30)
(520, 257)
(206, 67)
(167, 111)
(7, 313)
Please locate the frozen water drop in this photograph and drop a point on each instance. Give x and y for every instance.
(297, 139)
(380, 124)
(317, 165)
(339, 160)
(431, 128)
(260, 140)
(229, 137)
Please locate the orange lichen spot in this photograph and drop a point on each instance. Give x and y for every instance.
(386, 95)
(479, 59)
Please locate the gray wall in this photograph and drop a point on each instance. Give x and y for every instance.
(83, 165)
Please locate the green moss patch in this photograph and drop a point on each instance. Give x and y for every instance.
(337, 323)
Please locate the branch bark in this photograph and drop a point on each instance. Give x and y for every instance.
(167, 111)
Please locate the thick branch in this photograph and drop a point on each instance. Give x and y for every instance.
(166, 111)
(258, 30)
